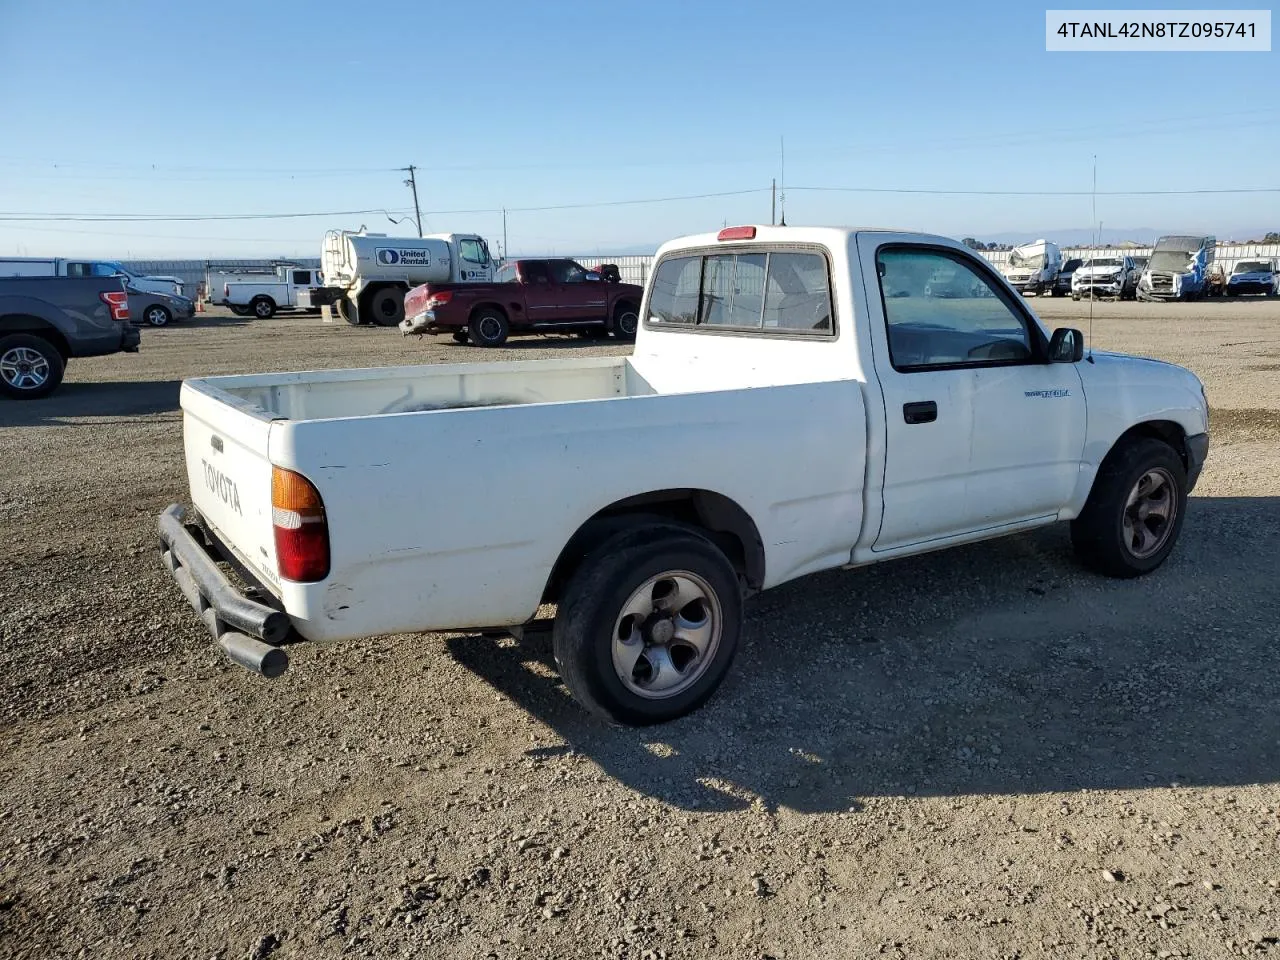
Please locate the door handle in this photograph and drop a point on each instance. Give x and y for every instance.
(923, 411)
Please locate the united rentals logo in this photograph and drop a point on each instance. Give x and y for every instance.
(401, 257)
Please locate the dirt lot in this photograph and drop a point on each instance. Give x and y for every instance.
(981, 753)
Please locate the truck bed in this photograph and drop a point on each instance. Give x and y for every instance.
(333, 394)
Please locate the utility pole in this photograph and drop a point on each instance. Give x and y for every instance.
(504, 234)
(773, 204)
(412, 184)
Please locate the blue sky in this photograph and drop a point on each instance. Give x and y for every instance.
(151, 107)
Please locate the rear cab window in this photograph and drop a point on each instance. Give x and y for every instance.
(778, 291)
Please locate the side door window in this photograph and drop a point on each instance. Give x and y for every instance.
(578, 299)
(473, 252)
(940, 312)
(301, 278)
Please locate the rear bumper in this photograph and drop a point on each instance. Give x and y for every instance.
(1197, 453)
(248, 631)
(427, 322)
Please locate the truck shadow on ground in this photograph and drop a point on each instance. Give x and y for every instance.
(117, 398)
(996, 668)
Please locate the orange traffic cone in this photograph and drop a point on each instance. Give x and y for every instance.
(199, 306)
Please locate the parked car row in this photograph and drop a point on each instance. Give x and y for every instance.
(1179, 268)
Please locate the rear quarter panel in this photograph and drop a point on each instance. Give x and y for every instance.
(71, 305)
(453, 519)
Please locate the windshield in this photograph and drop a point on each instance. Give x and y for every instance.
(1031, 261)
(1172, 260)
(1104, 262)
(1252, 266)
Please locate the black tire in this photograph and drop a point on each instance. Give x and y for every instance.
(1075, 296)
(239, 311)
(626, 318)
(347, 311)
(264, 308)
(386, 306)
(1099, 534)
(30, 367)
(488, 327)
(593, 600)
(157, 315)
(460, 336)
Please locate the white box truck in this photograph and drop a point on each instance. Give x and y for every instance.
(1033, 266)
(367, 274)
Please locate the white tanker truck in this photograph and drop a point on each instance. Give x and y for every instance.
(367, 274)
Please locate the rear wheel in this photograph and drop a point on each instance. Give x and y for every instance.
(30, 367)
(387, 306)
(264, 308)
(488, 328)
(157, 315)
(1133, 516)
(648, 625)
(347, 311)
(625, 321)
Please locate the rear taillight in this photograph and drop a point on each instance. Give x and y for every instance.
(117, 302)
(440, 298)
(301, 531)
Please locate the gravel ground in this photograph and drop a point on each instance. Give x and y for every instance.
(980, 753)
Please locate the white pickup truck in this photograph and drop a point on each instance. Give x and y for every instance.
(262, 297)
(796, 401)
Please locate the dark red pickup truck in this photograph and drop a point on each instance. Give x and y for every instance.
(526, 296)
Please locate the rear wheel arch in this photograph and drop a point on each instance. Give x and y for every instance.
(488, 305)
(712, 515)
(26, 323)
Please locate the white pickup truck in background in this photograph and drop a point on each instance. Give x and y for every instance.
(263, 297)
(798, 399)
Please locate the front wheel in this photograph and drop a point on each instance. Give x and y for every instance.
(648, 625)
(1133, 516)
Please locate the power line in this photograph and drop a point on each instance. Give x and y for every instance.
(26, 216)
(1040, 193)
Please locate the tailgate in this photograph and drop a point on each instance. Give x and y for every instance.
(230, 477)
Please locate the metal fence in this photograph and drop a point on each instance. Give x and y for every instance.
(635, 268)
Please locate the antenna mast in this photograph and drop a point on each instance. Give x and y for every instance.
(1097, 238)
(782, 194)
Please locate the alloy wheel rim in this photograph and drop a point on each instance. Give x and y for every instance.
(1149, 513)
(666, 635)
(24, 369)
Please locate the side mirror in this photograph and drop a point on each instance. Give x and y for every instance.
(1066, 346)
(592, 276)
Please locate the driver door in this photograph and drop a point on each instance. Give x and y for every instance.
(981, 431)
(580, 299)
